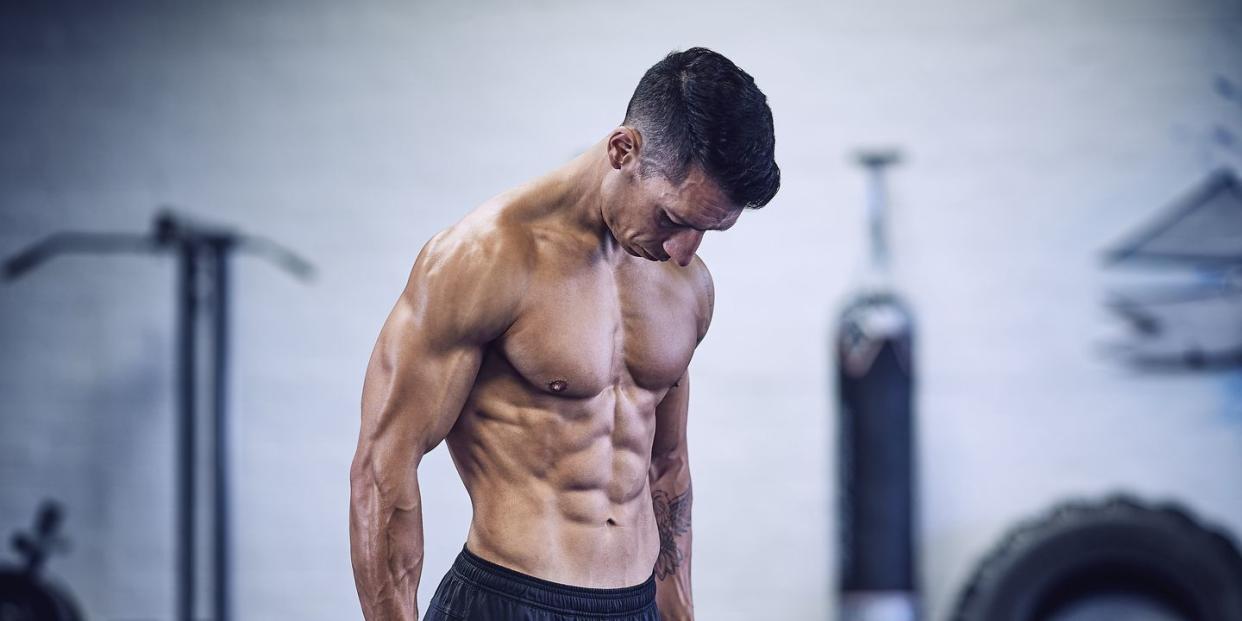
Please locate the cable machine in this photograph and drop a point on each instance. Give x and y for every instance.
(204, 256)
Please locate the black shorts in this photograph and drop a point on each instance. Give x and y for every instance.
(475, 589)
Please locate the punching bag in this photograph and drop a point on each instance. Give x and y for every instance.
(875, 399)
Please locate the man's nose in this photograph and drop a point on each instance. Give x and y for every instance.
(681, 247)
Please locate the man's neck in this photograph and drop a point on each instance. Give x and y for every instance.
(574, 192)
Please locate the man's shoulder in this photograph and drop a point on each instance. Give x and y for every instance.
(469, 279)
(486, 240)
(700, 279)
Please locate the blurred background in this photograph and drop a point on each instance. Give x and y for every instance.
(1038, 137)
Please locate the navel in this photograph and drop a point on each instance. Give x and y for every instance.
(558, 385)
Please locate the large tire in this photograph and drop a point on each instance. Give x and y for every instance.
(1120, 547)
(24, 597)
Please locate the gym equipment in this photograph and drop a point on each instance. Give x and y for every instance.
(875, 394)
(1116, 559)
(1197, 325)
(1202, 228)
(204, 252)
(25, 595)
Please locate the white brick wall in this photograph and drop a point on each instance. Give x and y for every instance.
(1038, 134)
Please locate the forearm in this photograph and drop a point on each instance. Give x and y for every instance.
(386, 547)
(671, 498)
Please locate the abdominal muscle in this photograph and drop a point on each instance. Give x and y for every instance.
(559, 486)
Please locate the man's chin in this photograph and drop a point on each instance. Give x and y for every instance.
(640, 252)
(635, 251)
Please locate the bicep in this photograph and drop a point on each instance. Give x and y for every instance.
(429, 351)
(670, 419)
(415, 387)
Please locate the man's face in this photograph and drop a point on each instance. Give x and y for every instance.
(658, 221)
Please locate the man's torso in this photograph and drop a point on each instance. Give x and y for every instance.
(554, 441)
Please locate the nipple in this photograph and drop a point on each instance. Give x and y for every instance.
(557, 385)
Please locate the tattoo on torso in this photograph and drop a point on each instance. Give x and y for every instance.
(672, 516)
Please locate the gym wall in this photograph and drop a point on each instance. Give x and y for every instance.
(1038, 134)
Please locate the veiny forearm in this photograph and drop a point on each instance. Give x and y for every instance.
(386, 546)
(671, 498)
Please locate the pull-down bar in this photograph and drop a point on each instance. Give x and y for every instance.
(198, 247)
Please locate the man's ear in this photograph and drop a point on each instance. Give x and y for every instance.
(623, 145)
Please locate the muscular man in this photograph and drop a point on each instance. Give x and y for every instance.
(546, 338)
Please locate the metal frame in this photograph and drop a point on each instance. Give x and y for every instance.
(202, 251)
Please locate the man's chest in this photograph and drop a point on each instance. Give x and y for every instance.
(582, 333)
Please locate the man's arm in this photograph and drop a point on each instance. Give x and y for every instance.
(461, 294)
(671, 498)
(669, 476)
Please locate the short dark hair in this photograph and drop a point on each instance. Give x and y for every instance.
(697, 107)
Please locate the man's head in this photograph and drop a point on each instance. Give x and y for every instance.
(695, 148)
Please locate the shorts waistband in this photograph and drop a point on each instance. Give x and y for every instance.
(562, 597)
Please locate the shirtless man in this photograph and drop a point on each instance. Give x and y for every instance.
(546, 338)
